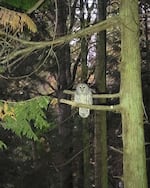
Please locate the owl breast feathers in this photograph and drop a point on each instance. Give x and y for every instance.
(83, 95)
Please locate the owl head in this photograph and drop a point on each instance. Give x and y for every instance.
(82, 88)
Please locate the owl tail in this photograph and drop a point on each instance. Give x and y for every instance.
(84, 112)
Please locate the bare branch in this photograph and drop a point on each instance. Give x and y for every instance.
(115, 108)
(38, 4)
(32, 46)
(15, 53)
(116, 149)
(115, 95)
(110, 22)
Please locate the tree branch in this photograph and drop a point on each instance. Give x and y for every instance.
(101, 96)
(15, 53)
(110, 22)
(115, 108)
(31, 46)
(35, 6)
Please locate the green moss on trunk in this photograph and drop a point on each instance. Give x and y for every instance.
(134, 162)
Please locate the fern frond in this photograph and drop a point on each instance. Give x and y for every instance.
(16, 20)
(28, 21)
(26, 114)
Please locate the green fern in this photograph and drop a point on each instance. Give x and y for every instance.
(29, 117)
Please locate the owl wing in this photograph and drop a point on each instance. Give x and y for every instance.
(85, 99)
(76, 97)
(89, 97)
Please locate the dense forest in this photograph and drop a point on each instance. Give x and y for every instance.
(48, 48)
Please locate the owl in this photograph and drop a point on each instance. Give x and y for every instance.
(83, 95)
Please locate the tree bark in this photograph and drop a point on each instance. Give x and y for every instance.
(134, 161)
(101, 176)
(64, 111)
(85, 124)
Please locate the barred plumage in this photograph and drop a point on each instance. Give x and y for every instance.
(83, 95)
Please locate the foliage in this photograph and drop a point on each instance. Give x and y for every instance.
(21, 4)
(16, 20)
(6, 111)
(27, 117)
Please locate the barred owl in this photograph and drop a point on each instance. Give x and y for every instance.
(83, 95)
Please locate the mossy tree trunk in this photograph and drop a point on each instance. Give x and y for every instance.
(134, 162)
(101, 176)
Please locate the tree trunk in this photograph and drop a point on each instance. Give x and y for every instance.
(101, 176)
(64, 111)
(134, 161)
(85, 125)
